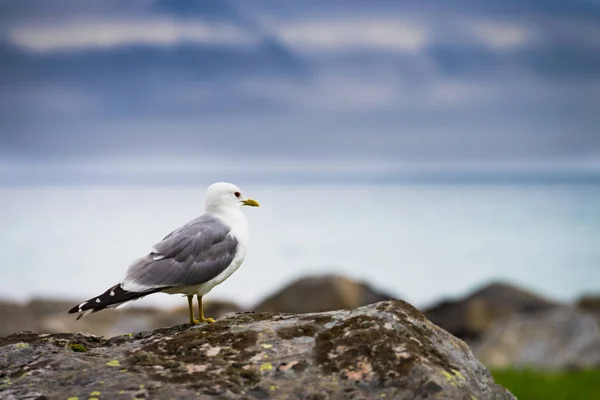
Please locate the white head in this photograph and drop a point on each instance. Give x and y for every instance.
(225, 196)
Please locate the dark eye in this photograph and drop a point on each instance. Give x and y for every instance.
(237, 194)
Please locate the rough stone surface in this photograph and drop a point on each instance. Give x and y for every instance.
(321, 293)
(561, 338)
(384, 350)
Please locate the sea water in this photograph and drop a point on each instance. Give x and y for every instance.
(419, 242)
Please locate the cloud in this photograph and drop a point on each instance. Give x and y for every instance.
(501, 35)
(354, 33)
(339, 83)
(110, 33)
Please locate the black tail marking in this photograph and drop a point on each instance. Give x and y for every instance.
(112, 297)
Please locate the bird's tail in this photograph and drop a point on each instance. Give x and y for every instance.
(114, 297)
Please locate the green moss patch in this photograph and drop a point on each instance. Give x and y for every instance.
(78, 348)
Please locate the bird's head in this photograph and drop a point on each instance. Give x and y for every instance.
(223, 195)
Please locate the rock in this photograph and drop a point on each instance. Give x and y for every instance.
(590, 303)
(321, 293)
(40, 307)
(384, 350)
(470, 317)
(18, 317)
(212, 308)
(564, 337)
(15, 319)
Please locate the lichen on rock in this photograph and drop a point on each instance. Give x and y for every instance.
(383, 350)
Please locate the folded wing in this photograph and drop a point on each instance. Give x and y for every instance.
(193, 254)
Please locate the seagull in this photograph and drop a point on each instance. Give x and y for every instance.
(191, 260)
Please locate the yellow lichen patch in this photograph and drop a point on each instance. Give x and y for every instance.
(266, 367)
(449, 378)
(266, 346)
(22, 345)
(273, 387)
(473, 397)
(95, 393)
(113, 363)
(73, 398)
(459, 375)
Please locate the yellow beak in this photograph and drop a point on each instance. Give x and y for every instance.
(251, 203)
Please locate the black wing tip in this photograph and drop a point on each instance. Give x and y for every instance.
(114, 295)
(95, 303)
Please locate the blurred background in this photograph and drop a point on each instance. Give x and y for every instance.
(418, 150)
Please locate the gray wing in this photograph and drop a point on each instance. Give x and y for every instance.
(193, 254)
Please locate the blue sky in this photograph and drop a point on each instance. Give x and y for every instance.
(162, 91)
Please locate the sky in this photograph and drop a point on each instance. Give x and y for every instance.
(151, 91)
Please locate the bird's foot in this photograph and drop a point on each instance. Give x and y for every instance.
(197, 321)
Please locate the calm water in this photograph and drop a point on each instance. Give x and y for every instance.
(420, 242)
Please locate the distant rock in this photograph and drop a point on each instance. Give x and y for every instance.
(50, 316)
(18, 317)
(470, 317)
(564, 337)
(42, 306)
(15, 319)
(385, 350)
(321, 293)
(590, 303)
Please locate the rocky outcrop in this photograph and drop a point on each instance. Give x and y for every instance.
(384, 350)
(560, 338)
(14, 318)
(470, 317)
(590, 303)
(321, 293)
(50, 316)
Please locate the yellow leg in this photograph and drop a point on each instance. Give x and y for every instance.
(193, 321)
(202, 319)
